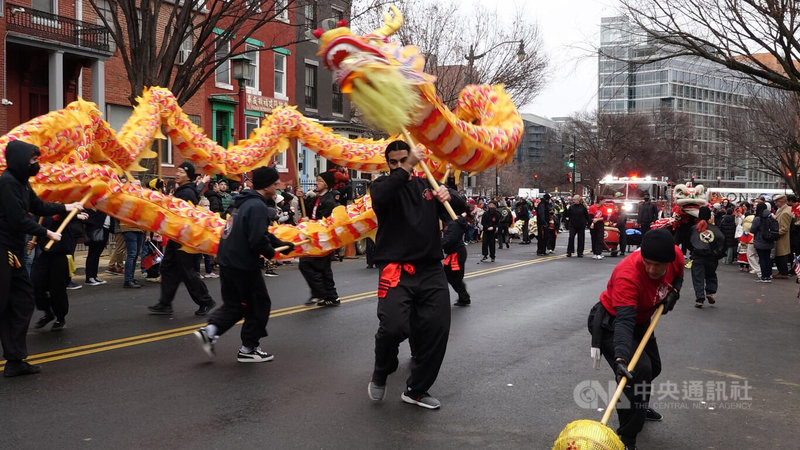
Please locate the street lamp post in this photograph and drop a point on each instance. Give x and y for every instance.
(471, 57)
(240, 66)
(575, 163)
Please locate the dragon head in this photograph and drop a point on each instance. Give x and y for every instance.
(347, 54)
(690, 198)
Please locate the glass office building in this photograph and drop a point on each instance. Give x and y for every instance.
(704, 91)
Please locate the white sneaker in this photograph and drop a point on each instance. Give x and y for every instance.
(257, 355)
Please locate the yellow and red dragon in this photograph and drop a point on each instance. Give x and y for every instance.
(82, 155)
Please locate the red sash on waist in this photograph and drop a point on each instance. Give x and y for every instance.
(390, 276)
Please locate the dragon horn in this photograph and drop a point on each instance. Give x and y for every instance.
(391, 22)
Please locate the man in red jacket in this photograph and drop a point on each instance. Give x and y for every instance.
(648, 277)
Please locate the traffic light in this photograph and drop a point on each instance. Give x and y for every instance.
(692, 180)
(536, 177)
(789, 174)
(569, 178)
(571, 162)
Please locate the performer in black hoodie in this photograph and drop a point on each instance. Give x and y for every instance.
(179, 266)
(317, 269)
(413, 297)
(16, 290)
(244, 293)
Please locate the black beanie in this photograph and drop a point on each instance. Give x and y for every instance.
(264, 176)
(704, 213)
(189, 169)
(658, 245)
(328, 178)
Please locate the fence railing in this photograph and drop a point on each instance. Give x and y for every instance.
(50, 26)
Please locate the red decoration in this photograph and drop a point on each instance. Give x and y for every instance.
(318, 33)
(341, 23)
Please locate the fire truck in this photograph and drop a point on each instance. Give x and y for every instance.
(628, 192)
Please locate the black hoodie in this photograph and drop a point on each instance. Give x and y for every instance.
(17, 199)
(245, 236)
(408, 219)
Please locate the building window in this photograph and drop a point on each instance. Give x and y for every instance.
(280, 75)
(185, 50)
(253, 54)
(251, 123)
(282, 10)
(48, 6)
(337, 14)
(311, 86)
(310, 13)
(338, 100)
(223, 73)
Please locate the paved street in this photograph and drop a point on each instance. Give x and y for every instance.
(516, 372)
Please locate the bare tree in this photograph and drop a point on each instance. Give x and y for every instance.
(623, 144)
(756, 38)
(174, 43)
(673, 144)
(444, 35)
(765, 136)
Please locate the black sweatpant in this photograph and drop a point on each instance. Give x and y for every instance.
(244, 295)
(488, 243)
(598, 243)
(16, 307)
(418, 309)
(93, 256)
(456, 277)
(502, 235)
(704, 277)
(319, 276)
(178, 267)
(50, 276)
(525, 231)
(581, 235)
(637, 393)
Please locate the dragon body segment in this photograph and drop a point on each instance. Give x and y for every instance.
(82, 154)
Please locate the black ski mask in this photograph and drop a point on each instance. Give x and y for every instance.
(33, 169)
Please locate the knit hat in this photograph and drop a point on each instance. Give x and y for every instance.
(188, 168)
(328, 178)
(658, 245)
(264, 176)
(704, 213)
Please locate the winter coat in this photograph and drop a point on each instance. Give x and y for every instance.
(784, 216)
(758, 233)
(578, 216)
(728, 227)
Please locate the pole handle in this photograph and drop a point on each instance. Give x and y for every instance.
(430, 177)
(69, 218)
(632, 365)
(284, 247)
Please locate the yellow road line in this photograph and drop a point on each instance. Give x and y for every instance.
(98, 347)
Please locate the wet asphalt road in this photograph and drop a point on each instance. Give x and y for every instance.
(516, 372)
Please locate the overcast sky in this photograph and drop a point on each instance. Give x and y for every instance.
(569, 29)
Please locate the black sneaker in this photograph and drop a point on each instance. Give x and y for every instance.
(492, 259)
(204, 309)
(131, 284)
(58, 325)
(206, 341)
(330, 302)
(711, 299)
(270, 273)
(17, 368)
(484, 259)
(43, 321)
(159, 308)
(73, 286)
(653, 415)
(314, 301)
(255, 356)
(698, 304)
(462, 303)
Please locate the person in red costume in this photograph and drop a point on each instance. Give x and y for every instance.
(650, 276)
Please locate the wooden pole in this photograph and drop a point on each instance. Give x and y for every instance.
(66, 221)
(302, 201)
